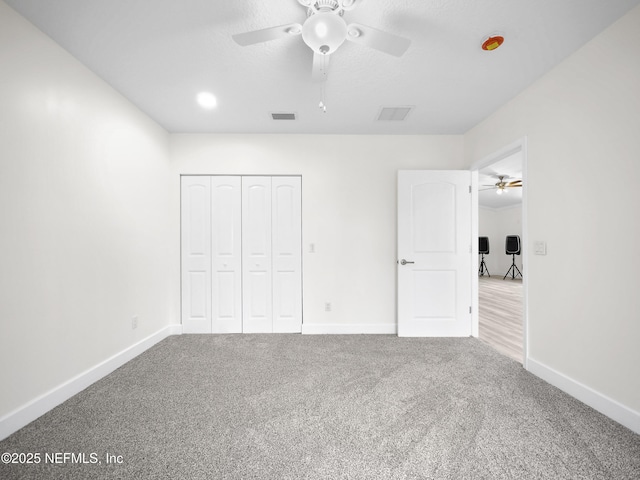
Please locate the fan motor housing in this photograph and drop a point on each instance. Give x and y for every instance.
(325, 6)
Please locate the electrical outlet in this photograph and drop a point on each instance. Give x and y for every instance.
(327, 307)
(134, 322)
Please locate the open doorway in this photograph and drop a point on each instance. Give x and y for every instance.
(501, 279)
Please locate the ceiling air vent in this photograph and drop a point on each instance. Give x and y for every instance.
(283, 116)
(394, 114)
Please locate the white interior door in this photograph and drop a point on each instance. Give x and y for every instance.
(226, 254)
(434, 253)
(256, 255)
(287, 251)
(196, 254)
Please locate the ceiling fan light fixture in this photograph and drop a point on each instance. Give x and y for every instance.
(324, 32)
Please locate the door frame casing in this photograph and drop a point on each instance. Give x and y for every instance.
(515, 147)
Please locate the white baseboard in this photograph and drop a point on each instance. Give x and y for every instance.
(349, 328)
(596, 400)
(37, 407)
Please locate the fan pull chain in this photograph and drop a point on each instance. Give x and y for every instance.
(322, 104)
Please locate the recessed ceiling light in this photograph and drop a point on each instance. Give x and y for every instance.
(207, 100)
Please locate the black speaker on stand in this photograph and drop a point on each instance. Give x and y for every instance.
(483, 249)
(512, 247)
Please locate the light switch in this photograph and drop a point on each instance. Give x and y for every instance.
(540, 247)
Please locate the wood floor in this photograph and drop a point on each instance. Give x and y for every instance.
(500, 314)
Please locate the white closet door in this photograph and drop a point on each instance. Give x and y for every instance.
(256, 255)
(196, 254)
(286, 247)
(226, 253)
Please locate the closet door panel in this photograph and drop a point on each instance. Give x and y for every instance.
(196, 254)
(287, 254)
(256, 255)
(226, 247)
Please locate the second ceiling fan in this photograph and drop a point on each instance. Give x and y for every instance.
(501, 185)
(325, 30)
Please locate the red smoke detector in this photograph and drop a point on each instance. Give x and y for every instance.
(492, 43)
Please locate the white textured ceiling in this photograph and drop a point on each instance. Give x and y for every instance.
(161, 53)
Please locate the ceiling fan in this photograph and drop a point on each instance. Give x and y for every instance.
(501, 186)
(325, 30)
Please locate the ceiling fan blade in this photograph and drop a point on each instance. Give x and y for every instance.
(515, 183)
(377, 39)
(267, 34)
(483, 189)
(320, 68)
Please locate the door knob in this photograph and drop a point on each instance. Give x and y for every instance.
(404, 262)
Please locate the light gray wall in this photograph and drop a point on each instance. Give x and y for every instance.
(348, 208)
(86, 242)
(581, 122)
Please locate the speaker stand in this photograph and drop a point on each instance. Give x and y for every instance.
(483, 267)
(513, 269)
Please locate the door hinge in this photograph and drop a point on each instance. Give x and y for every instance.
(469, 309)
(469, 188)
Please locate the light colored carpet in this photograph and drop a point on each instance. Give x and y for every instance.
(326, 407)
